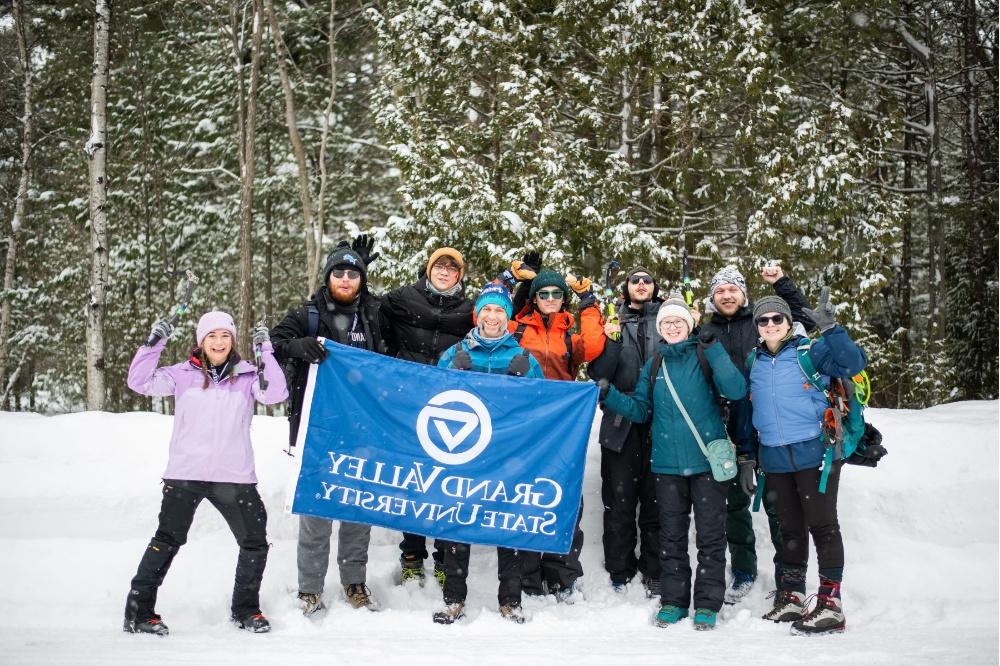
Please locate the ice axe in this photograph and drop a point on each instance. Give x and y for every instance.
(186, 288)
(258, 355)
(609, 295)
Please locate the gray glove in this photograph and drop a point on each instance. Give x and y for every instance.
(461, 360)
(825, 314)
(748, 476)
(260, 336)
(603, 387)
(161, 330)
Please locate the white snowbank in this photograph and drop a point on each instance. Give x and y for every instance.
(79, 496)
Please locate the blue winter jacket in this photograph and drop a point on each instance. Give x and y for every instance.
(490, 356)
(787, 408)
(675, 450)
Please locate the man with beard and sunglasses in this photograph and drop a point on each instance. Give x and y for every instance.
(627, 482)
(729, 317)
(344, 311)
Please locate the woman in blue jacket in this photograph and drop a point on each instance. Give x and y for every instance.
(683, 476)
(788, 415)
(489, 347)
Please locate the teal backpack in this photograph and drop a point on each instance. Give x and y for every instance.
(847, 436)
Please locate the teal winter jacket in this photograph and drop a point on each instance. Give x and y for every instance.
(675, 450)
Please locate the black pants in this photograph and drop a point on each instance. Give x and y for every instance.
(740, 534)
(804, 510)
(677, 496)
(244, 512)
(413, 548)
(627, 484)
(456, 569)
(558, 572)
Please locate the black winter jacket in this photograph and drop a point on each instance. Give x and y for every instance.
(422, 324)
(621, 362)
(296, 325)
(738, 335)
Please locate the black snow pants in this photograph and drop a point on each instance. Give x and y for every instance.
(558, 572)
(413, 548)
(456, 569)
(677, 497)
(242, 508)
(627, 484)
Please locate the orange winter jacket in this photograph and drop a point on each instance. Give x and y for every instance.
(548, 345)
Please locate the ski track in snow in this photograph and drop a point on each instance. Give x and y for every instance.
(79, 496)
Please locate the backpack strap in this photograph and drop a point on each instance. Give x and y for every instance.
(569, 352)
(313, 322)
(519, 332)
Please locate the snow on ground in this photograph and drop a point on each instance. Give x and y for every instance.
(79, 496)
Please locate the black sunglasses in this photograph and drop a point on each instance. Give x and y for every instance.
(349, 272)
(636, 279)
(775, 320)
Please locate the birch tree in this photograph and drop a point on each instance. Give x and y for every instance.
(96, 149)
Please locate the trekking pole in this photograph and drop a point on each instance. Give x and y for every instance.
(186, 288)
(609, 295)
(259, 358)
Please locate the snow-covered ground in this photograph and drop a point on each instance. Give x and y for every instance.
(79, 495)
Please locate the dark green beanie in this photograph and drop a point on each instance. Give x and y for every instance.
(548, 278)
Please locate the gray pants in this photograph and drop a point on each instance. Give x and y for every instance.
(314, 552)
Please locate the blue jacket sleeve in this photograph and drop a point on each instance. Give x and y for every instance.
(534, 368)
(727, 378)
(835, 354)
(448, 354)
(637, 408)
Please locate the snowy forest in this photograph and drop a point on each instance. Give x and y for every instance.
(854, 142)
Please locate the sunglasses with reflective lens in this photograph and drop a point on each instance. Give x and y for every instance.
(636, 279)
(349, 272)
(774, 320)
(554, 294)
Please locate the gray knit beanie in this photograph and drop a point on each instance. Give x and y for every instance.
(728, 275)
(772, 304)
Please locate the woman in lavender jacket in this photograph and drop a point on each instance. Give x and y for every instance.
(210, 458)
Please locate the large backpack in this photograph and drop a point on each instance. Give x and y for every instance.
(847, 436)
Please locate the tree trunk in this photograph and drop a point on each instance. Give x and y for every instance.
(317, 259)
(96, 150)
(247, 134)
(20, 203)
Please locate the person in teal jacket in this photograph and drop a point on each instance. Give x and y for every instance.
(684, 480)
(491, 348)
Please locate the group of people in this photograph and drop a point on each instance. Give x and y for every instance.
(669, 379)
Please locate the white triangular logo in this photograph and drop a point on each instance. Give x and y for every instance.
(451, 440)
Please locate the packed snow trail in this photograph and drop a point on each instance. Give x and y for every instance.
(79, 496)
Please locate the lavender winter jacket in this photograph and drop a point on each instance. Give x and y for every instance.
(211, 437)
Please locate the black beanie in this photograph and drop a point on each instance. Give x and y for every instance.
(346, 257)
(656, 284)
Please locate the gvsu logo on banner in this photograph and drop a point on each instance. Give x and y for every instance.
(466, 456)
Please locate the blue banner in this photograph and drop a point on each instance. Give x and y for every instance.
(466, 456)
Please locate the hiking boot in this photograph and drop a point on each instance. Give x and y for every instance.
(255, 623)
(826, 618)
(411, 569)
(566, 595)
(513, 612)
(669, 615)
(439, 575)
(704, 619)
(652, 586)
(740, 587)
(450, 614)
(619, 587)
(359, 596)
(310, 603)
(154, 625)
(788, 607)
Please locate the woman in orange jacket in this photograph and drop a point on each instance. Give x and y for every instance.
(545, 329)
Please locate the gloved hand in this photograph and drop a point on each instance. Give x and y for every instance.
(519, 365)
(161, 330)
(706, 337)
(308, 349)
(580, 285)
(587, 299)
(825, 313)
(603, 386)
(521, 271)
(363, 244)
(748, 475)
(260, 336)
(533, 261)
(462, 360)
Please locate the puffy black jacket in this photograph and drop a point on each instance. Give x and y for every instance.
(424, 324)
(621, 362)
(330, 325)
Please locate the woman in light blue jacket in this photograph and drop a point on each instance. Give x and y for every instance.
(788, 414)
